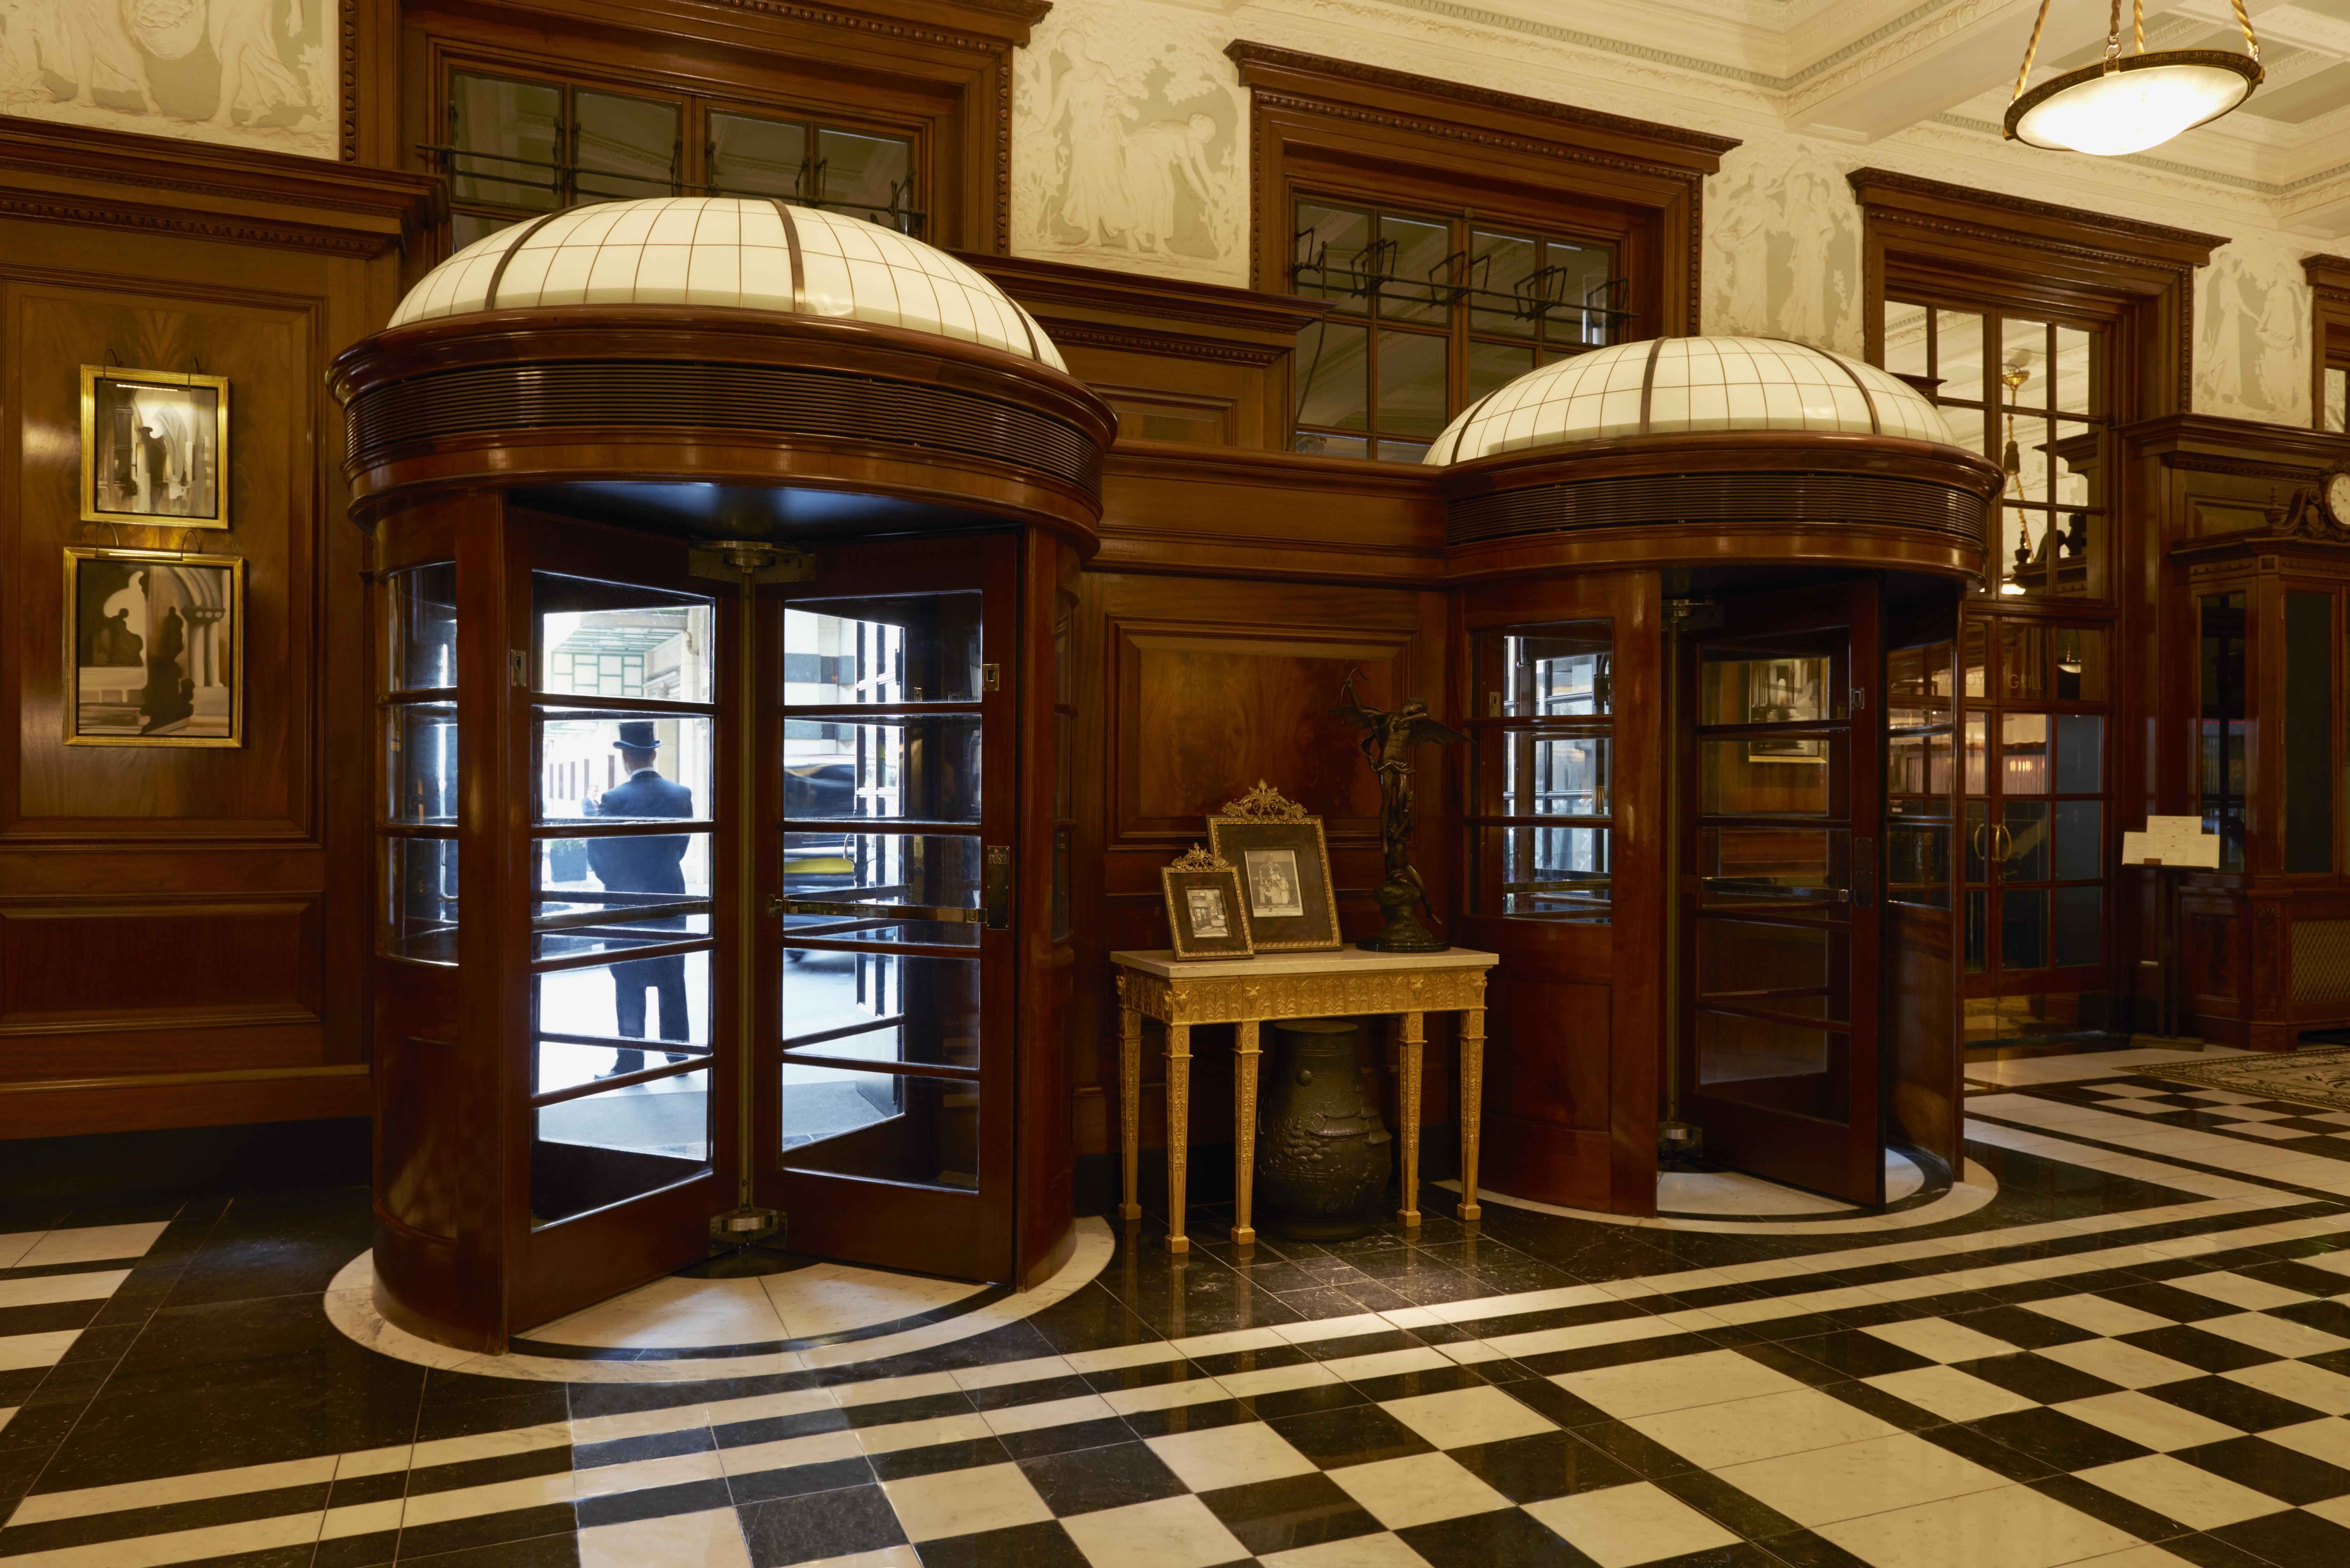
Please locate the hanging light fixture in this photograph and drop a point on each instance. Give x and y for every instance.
(2129, 103)
(2011, 462)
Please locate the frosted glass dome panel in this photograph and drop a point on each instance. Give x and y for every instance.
(1676, 384)
(728, 251)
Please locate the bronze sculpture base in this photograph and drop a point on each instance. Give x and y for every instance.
(1403, 933)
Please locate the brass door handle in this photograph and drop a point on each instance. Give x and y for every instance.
(2005, 840)
(948, 914)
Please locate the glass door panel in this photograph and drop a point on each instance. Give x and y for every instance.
(1778, 915)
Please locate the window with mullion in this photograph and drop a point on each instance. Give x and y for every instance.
(1429, 314)
(2032, 393)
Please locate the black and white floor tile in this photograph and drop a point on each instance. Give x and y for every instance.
(2134, 1350)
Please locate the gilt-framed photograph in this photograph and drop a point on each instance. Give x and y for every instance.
(154, 648)
(1285, 873)
(1204, 912)
(1786, 692)
(154, 448)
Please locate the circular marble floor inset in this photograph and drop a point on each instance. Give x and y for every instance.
(681, 1329)
(1734, 1201)
(1733, 1194)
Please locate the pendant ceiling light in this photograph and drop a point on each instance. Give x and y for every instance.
(2129, 103)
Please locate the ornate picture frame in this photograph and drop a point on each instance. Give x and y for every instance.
(1204, 911)
(1277, 849)
(154, 648)
(154, 448)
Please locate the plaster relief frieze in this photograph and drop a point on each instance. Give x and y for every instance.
(1130, 143)
(1782, 252)
(2252, 335)
(264, 74)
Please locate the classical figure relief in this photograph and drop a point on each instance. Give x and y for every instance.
(1783, 248)
(2251, 337)
(246, 73)
(1128, 149)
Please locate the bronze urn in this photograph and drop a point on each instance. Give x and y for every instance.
(1323, 1154)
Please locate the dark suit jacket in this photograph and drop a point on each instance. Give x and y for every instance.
(652, 864)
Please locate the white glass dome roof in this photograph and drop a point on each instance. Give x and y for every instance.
(1673, 384)
(746, 252)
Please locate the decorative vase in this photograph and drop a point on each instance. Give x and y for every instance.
(1323, 1155)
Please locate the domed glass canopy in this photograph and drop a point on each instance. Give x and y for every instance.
(740, 253)
(1686, 384)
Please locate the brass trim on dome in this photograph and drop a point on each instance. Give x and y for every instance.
(648, 395)
(1635, 501)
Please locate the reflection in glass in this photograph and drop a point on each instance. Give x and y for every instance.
(1959, 361)
(1974, 659)
(868, 177)
(602, 892)
(1334, 378)
(1905, 339)
(862, 881)
(421, 762)
(1330, 244)
(1504, 263)
(884, 1127)
(2079, 839)
(1920, 677)
(2222, 766)
(2077, 934)
(1778, 865)
(2023, 929)
(2024, 841)
(1546, 775)
(919, 769)
(1977, 947)
(913, 648)
(513, 128)
(1762, 689)
(624, 146)
(1774, 968)
(422, 606)
(1492, 364)
(883, 1007)
(1557, 672)
(1772, 777)
(1918, 864)
(754, 156)
(1918, 765)
(1415, 253)
(1412, 384)
(1978, 730)
(1765, 1062)
(600, 1150)
(1554, 873)
(622, 767)
(2080, 754)
(2310, 716)
(2024, 753)
(420, 899)
(617, 640)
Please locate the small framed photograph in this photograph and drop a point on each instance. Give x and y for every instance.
(154, 648)
(1285, 871)
(1204, 912)
(1782, 691)
(154, 448)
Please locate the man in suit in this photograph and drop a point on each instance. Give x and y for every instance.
(653, 863)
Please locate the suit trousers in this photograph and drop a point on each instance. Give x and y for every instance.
(666, 976)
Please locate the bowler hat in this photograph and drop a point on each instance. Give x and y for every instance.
(637, 735)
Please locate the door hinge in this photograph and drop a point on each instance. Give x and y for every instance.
(1686, 1140)
(740, 1227)
(1859, 698)
(999, 887)
(990, 678)
(518, 667)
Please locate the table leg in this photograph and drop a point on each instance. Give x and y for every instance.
(1244, 1064)
(1472, 1103)
(1409, 1039)
(1179, 1131)
(1130, 1106)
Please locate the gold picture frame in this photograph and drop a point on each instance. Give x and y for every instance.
(154, 448)
(154, 648)
(1205, 916)
(1283, 865)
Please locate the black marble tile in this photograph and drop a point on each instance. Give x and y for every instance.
(1642, 1454)
(456, 1407)
(2169, 1301)
(1546, 1398)
(1061, 1439)
(1857, 1355)
(799, 1480)
(449, 1536)
(1623, 1353)
(2110, 1508)
(928, 1408)
(654, 1502)
(2285, 1474)
(774, 1428)
(1542, 1465)
(652, 1445)
(1377, 1343)
(820, 1525)
(933, 1458)
(1041, 1545)
(1355, 1435)
(1148, 1374)
(277, 1245)
(2192, 1346)
(2292, 1539)
(555, 1460)
(1286, 1514)
(1090, 1479)
(2327, 1317)
(2037, 1377)
(1263, 1359)
(2059, 1441)
(2223, 1399)
(1726, 1505)
(1090, 1318)
(1299, 1401)
(133, 1523)
(1189, 1417)
(1444, 1379)
(1505, 1538)
(2021, 1327)
(1790, 1360)
(1802, 1548)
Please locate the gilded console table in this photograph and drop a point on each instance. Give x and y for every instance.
(1345, 983)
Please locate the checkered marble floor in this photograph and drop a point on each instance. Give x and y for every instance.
(2136, 1353)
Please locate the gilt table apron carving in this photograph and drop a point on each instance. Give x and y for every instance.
(1347, 983)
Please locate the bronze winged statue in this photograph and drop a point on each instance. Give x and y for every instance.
(1386, 741)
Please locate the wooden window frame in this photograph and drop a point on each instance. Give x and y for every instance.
(2329, 322)
(1367, 136)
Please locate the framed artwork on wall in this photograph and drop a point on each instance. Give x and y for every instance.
(154, 648)
(1786, 692)
(1204, 908)
(154, 448)
(1285, 871)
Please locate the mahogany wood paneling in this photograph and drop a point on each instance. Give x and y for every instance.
(1924, 1061)
(2329, 312)
(1269, 516)
(183, 936)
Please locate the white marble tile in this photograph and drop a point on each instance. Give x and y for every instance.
(1120, 1355)
(2014, 1527)
(42, 1290)
(637, 1475)
(1389, 1363)
(1675, 1383)
(882, 1390)
(1738, 1431)
(1461, 1416)
(1169, 1533)
(1734, 1192)
(1272, 1379)
(1577, 1337)
(80, 1503)
(14, 1244)
(2334, 1508)
(2138, 1557)
(1166, 1396)
(2177, 1490)
(641, 1423)
(887, 1557)
(712, 1539)
(1226, 1343)
(763, 1407)
(257, 1536)
(6, 1414)
(20, 1351)
(90, 1244)
(1850, 1480)
(1617, 1526)
(787, 1453)
(1953, 1395)
(474, 1501)
(671, 1314)
(361, 1519)
(2278, 1335)
(1012, 1418)
(1384, 1550)
(1229, 1456)
(2096, 1314)
(2328, 1440)
(1938, 1339)
(2147, 1421)
(491, 1445)
(962, 1503)
(924, 1433)
(1315, 1330)
(2125, 1365)
(1002, 1374)
(2237, 1290)
(1419, 1489)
